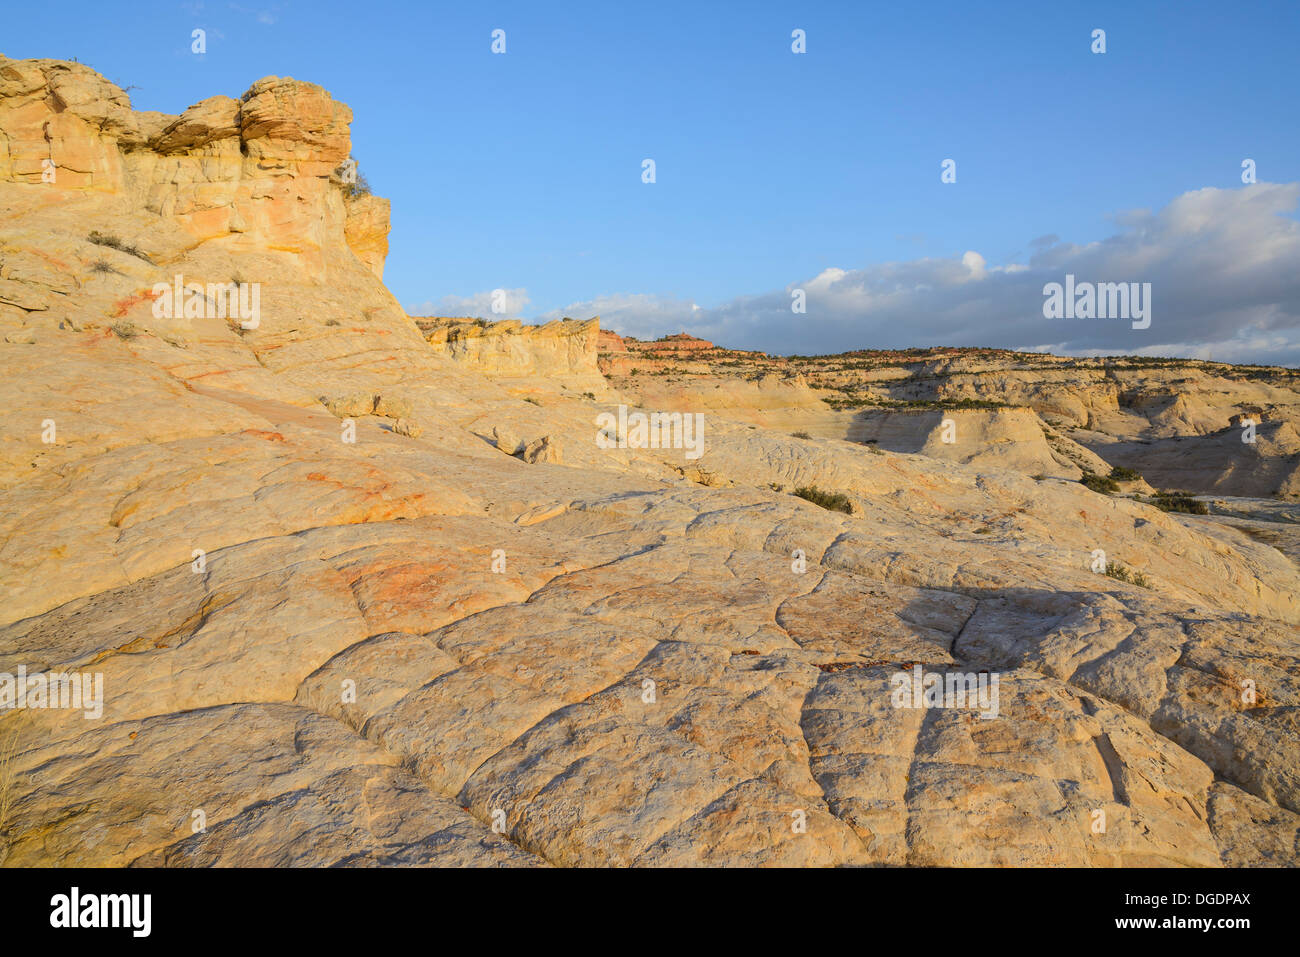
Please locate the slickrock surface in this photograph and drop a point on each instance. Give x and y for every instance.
(474, 636)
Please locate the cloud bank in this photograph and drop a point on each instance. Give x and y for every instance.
(508, 303)
(1223, 264)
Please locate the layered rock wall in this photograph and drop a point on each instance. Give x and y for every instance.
(262, 169)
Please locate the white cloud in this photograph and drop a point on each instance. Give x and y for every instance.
(1224, 268)
(509, 304)
(641, 315)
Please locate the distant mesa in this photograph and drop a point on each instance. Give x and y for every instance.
(679, 342)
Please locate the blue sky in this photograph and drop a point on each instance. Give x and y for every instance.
(522, 171)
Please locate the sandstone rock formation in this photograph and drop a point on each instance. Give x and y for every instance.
(254, 171)
(360, 598)
(1181, 423)
(562, 351)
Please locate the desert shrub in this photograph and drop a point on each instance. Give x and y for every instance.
(8, 748)
(800, 435)
(832, 501)
(1178, 502)
(1099, 483)
(99, 266)
(1120, 573)
(1121, 474)
(125, 330)
(360, 187)
(114, 242)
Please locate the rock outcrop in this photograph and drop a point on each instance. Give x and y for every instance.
(563, 350)
(257, 170)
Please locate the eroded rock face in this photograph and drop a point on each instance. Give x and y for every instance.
(563, 350)
(355, 601)
(257, 168)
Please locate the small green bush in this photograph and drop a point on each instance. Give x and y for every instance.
(1099, 483)
(1120, 573)
(361, 187)
(832, 501)
(1178, 502)
(1121, 474)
